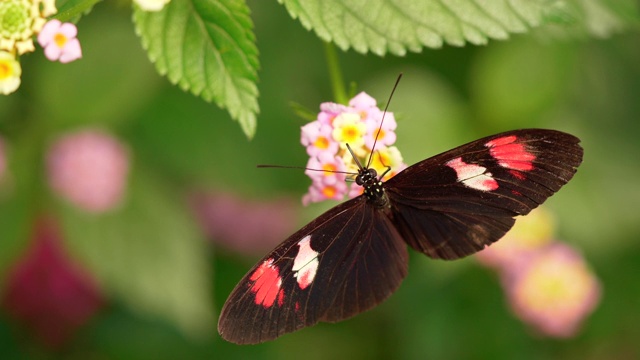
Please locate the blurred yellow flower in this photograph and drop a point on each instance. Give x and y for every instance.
(349, 129)
(10, 72)
(387, 157)
(554, 292)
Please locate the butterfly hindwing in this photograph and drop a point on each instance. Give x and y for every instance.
(344, 262)
(455, 203)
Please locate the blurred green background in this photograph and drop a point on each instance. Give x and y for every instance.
(586, 86)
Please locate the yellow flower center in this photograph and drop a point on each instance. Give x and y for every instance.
(6, 70)
(321, 142)
(349, 133)
(60, 40)
(329, 191)
(349, 129)
(379, 134)
(381, 160)
(556, 286)
(329, 168)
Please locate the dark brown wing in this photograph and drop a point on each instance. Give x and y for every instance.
(345, 262)
(456, 203)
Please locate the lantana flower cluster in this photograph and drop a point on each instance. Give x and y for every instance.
(331, 165)
(548, 284)
(21, 21)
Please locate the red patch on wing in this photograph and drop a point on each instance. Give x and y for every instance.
(517, 174)
(473, 175)
(280, 297)
(511, 155)
(266, 284)
(305, 280)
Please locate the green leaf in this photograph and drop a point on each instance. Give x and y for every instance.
(208, 48)
(147, 254)
(103, 89)
(19, 190)
(72, 10)
(395, 26)
(599, 18)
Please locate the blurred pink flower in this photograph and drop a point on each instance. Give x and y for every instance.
(89, 169)
(47, 292)
(59, 41)
(316, 137)
(248, 227)
(329, 111)
(333, 167)
(553, 291)
(355, 190)
(386, 134)
(320, 191)
(363, 102)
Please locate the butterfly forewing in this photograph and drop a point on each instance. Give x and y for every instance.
(455, 203)
(346, 261)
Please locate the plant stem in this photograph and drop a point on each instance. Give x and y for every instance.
(335, 74)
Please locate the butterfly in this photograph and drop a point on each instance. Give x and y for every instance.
(354, 256)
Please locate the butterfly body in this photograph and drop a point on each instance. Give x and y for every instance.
(373, 189)
(354, 256)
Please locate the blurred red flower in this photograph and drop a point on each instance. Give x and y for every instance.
(47, 292)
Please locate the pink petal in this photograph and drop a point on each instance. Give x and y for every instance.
(48, 32)
(71, 51)
(69, 30)
(362, 101)
(52, 51)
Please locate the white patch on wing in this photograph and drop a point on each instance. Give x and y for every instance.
(472, 175)
(306, 263)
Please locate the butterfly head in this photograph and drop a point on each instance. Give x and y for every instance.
(373, 190)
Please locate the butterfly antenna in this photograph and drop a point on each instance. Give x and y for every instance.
(355, 158)
(306, 168)
(382, 121)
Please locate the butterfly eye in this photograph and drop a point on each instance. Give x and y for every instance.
(359, 180)
(373, 173)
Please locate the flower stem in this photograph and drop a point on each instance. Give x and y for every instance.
(335, 74)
